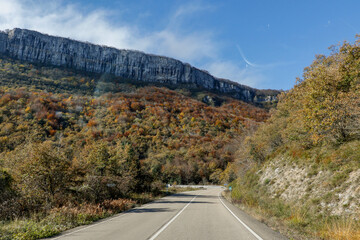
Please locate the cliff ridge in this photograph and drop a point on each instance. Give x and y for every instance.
(36, 47)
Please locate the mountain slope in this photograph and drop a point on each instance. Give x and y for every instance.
(304, 162)
(75, 145)
(134, 65)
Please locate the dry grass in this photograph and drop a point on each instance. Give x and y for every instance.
(344, 229)
(60, 219)
(118, 205)
(297, 222)
(298, 218)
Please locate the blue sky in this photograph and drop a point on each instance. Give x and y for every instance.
(260, 43)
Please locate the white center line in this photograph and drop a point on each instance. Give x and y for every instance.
(171, 220)
(248, 228)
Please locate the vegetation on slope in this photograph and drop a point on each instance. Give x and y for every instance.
(315, 128)
(72, 152)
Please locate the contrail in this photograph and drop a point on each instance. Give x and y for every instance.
(269, 65)
(244, 58)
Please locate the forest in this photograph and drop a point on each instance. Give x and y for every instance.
(80, 146)
(76, 147)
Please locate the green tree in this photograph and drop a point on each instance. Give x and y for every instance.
(45, 173)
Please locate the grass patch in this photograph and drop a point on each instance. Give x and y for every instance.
(306, 220)
(340, 229)
(60, 219)
(340, 177)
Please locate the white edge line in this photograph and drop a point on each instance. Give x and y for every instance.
(249, 229)
(81, 229)
(94, 224)
(171, 220)
(104, 221)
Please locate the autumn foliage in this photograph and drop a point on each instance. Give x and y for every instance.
(60, 148)
(318, 116)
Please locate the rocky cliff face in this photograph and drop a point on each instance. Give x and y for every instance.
(40, 48)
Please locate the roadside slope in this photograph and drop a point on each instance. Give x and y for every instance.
(302, 166)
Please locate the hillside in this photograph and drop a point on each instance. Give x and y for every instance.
(131, 65)
(75, 146)
(303, 164)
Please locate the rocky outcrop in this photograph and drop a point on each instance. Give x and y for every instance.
(303, 184)
(41, 48)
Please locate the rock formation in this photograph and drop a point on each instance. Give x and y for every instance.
(36, 47)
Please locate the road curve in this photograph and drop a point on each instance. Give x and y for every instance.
(201, 214)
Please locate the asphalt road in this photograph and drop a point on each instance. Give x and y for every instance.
(200, 214)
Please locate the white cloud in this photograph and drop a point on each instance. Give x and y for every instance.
(196, 45)
(191, 9)
(55, 18)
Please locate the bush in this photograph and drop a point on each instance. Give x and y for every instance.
(44, 174)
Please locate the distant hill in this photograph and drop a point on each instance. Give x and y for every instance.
(35, 47)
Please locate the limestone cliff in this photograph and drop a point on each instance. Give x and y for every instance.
(41, 48)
